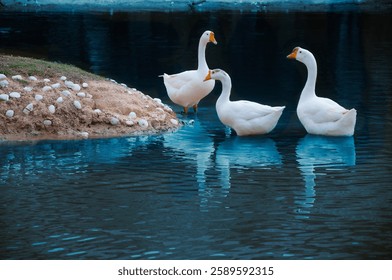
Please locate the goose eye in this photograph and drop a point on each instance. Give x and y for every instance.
(300, 51)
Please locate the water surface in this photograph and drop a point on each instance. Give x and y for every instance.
(202, 192)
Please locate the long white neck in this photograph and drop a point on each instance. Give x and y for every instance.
(202, 63)
(226, 89)
(310, 86)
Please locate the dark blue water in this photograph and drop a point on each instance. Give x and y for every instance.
(201, 192)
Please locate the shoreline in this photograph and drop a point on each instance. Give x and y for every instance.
(40, 100)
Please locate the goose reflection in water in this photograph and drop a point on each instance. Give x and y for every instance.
(244, 153)
(320, 152)
(195, 144)
(211, 150)
(239, 153)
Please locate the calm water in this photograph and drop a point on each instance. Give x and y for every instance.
(201, 192)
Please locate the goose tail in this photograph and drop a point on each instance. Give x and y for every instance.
(348, 121)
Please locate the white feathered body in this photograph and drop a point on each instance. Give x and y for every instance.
(248, 118)
(323, 116)
(187, 88)
(245, 117)
(319, 115)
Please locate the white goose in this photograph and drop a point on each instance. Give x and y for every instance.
(245, 117)
(187, 88)
(319, 115)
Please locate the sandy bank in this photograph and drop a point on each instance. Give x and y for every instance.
(60, 102)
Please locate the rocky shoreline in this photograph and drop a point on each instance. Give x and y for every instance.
(56, 107)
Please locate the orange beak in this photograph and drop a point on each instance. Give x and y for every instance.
(212, 38)
(293, 55)
(208, 77)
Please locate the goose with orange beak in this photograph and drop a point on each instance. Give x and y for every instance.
(319, 115)
(245, 117)
(187, 88)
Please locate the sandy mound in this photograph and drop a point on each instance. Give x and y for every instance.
(34, 108)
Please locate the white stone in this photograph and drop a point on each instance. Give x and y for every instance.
(130, 92)
(56, 85)
(2, 76)
(29, 108)
(4, 83)
(124, 85)
(174, 121)
(143, 123)
(147, 106)
(157, 100)
(160, 110)
(75, 87)
(17, 77)
(132, 115)
(89, 95)
(113, 81)
(191, 122)
(47, 122)
(46, 80)
(46, 88)
(114, 121)
(15, 94)
(66, 93)
(10, 113)
(63, 78)
(38, 97)
(4, 97)
(60, 100)
(98, 111)
(85, 85)
(32, 78)
(28, 89)
(129, 123)
(68, 84)
(52, 109)
(83, 134)
(81, 94)
(77, 104)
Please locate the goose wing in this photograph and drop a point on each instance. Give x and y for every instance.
(248, 110)
(323, 110)
(177, 81)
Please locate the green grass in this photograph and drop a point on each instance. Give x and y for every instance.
(15, 65)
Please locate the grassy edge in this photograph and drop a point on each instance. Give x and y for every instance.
(17, 65)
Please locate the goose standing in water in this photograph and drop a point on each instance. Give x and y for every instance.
(245, 117)
(187, 88)
(319, 115)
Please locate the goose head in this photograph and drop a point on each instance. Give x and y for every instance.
(301, 55)
(216, 74)
(207, 37)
